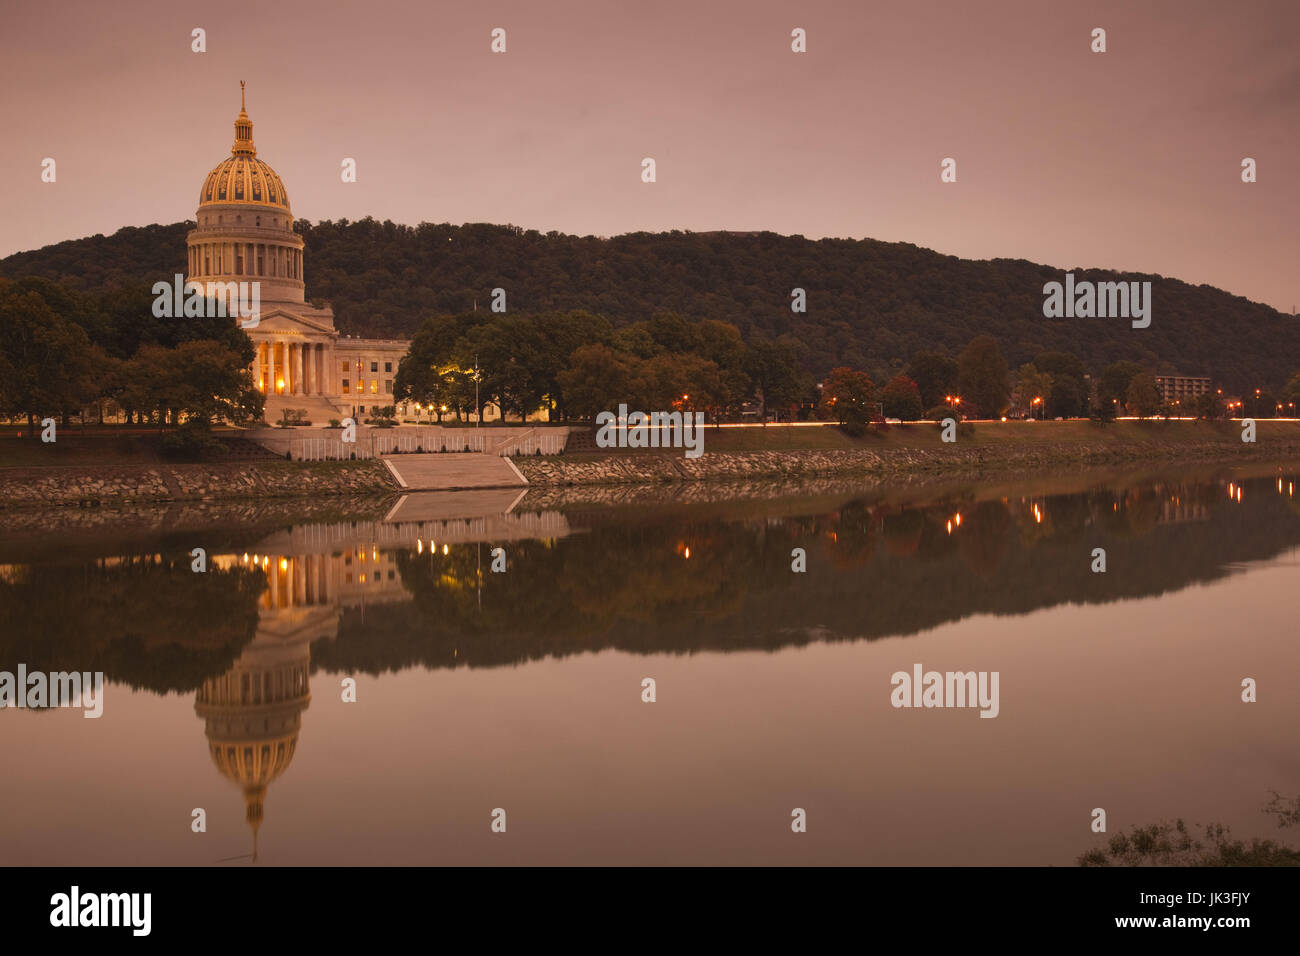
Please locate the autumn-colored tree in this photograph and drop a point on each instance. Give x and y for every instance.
(902, 399)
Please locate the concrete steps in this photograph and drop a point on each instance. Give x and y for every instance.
(443, 472)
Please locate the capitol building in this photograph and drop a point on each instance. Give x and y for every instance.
(244, 233)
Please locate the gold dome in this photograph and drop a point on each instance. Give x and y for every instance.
(243, 178)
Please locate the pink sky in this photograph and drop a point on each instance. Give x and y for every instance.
(1128, 159)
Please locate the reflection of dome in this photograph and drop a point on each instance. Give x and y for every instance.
(252, 715)
(243, 178)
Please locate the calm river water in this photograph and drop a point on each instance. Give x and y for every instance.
(478, 690)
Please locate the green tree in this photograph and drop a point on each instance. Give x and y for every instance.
(1142, 397)
(1068, 395)
(1034, 387)
(982, 377)
(849, 397)
(49, 364)
(936, 377)
(776, 373)
(596, 380)
(1112, 389)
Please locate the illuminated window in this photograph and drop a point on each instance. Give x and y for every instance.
(374, 386)
(347, 386)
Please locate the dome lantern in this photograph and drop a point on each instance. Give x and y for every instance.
(243, 130)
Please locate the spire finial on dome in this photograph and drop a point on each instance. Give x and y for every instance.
(243, 129)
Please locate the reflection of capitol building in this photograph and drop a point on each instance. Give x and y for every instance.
(252, 713)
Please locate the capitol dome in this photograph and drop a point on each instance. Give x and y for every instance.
(243, 178)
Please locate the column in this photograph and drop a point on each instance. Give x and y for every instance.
(297, 370)
(257, 364)
(312, 387)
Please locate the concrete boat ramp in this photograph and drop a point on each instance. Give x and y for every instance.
(447, 471)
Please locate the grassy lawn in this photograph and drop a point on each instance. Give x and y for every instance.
(927, 435)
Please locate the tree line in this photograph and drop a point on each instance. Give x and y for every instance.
(870, 304)
(63, 350)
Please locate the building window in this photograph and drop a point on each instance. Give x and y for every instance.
(345, 366)
(388, 386)
(388, 366)
(374, 366)
(374, 386)
(347, 386)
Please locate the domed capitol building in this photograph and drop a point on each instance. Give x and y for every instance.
(244, 233)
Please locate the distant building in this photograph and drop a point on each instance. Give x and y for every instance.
(1181, 389)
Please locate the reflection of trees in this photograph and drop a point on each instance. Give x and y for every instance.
(874, 570)
(902, 531)
(628, 584)
(985, 536)
(147, 621)
(854, 535)
(1178, 844)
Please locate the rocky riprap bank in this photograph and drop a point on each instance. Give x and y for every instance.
(32, 487)
(955, 461)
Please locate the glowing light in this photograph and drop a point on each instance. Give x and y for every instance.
(284, 564)
(957, 519)
(688, 553)
(419, 546)
(950, 526)
(444, 549)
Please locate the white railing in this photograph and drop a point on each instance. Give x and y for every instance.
(549, 441)
(330, 449)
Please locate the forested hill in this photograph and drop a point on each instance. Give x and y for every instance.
(871, 304)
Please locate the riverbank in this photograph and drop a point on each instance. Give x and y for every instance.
(126, 484)
(96, 473)
(918, 453)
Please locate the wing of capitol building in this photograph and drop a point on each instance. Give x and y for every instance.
(244, 233)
